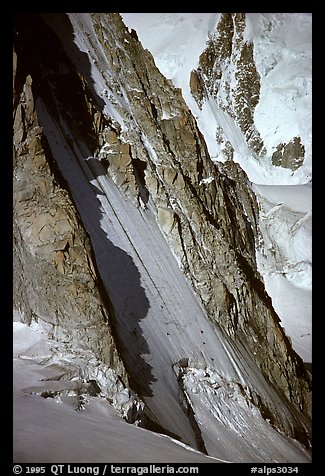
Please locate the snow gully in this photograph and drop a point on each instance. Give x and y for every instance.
(57, 469)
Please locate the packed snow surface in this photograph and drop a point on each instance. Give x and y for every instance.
(284, 258)
(50, 430)
(50, 426)
(282, 53)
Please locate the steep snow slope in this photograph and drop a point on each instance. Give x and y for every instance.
(47, 427)
(282, 54)
(176, 40)
(284, 258)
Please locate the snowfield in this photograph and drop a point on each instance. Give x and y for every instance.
(50, 430)
(282, 53)
(50, 426)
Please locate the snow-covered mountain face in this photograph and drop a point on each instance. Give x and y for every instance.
(181, 337)
(247, 80)
(250, 75)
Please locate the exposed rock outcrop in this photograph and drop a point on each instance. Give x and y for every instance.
(55, 281)
(290, 155)
(227, 74)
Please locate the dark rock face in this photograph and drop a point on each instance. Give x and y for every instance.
(290, 155)
(55, 279)
(237, 94)
(207, 213)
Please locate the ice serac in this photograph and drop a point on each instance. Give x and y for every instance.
(173, 236)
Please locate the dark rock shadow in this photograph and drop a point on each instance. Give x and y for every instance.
(120, 283)
(308, 366)
(62, 28)
(56, 81)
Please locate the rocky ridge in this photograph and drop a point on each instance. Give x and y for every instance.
(56, 284)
